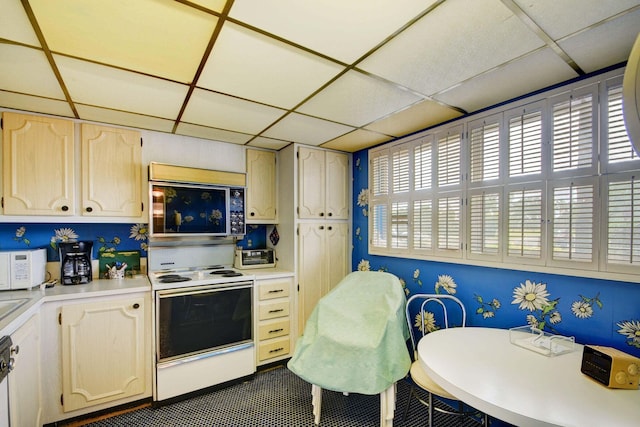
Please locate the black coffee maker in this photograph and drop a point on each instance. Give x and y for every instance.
(75, 262)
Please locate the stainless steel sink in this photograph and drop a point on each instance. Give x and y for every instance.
(9, 306)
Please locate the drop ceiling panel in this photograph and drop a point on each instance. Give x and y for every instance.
(28, 72)
(344, 30)
(162, 38)
(419, 116)
(356, 140)
(250, 65)
(458, 40)
(356, 99)
(606, 44)
(225, 112)
(14, 24)
(551, 15)
(212, 133)
(270, 143)
(305, 130)
(102, 86)
(532, 72)
(35, 104)
(103, 115)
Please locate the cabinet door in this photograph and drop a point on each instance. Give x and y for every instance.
(311, 191)
(103, 352)
(38, 171)
(111, 171)
(261, 186)
(25, 407)
(337, 185)
(311, 269)
(337, 253)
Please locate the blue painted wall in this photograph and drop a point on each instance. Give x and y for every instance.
(600, 312)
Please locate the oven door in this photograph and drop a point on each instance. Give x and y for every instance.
(201, 319)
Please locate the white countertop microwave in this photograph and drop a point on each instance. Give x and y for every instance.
(22, 269)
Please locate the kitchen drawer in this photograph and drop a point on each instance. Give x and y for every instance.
(273, 289)
(271, 310)
(273, 328)
(273, 348)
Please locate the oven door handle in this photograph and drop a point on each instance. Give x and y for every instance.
(195, 290)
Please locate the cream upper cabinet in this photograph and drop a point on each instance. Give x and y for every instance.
(261, 186)
(323, 186)
(111, 171)
(25, 402)
(104, 348)
(38, 171)
(323, 261)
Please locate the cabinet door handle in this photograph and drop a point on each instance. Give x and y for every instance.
(330, 228)
(322, 227)
(276, 350)
(89, 209)
(252, 214)
(330, 214)
(275, 291)
(136, 306)
(276, 311)
(65, 208)
(273, 331)
(321, 213)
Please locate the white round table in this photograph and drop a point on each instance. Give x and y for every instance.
(481, 367)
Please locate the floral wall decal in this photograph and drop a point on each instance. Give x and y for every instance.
(108, 246)
(363, 201)
(447, 283)
(364, 265)
(630, 329)
(416, 277)
(533, 297)
(487, 309)
(62, 235)
(140, 232)
(583, 308)
(21, 236)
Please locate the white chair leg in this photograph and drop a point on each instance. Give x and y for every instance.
(387, 406)
(316, 401)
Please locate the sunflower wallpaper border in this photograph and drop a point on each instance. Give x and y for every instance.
(594, 311)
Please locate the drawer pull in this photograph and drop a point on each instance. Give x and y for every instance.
(275, 291)
(277, 310)
(273, 331)
(276, 350)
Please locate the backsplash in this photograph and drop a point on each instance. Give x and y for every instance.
(594, 311)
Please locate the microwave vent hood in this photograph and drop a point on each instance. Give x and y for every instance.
(189, 175)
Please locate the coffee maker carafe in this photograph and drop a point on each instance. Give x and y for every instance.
(75, 262)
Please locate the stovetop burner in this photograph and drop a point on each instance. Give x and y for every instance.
(173, 278)
(222, 272)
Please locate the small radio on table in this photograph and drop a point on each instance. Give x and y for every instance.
(610, 367)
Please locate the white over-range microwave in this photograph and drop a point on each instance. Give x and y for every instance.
(22, 269)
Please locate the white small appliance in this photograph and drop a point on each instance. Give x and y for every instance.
(22, 269)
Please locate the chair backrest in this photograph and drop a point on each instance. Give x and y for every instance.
(449, 310)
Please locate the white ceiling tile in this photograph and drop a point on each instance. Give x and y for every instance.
(103, 86)
(103, 115)
(212, 133)
(305, 130)
(417, 117)
(356, 99)
(273, 144)
(551, 15)
(250, 65)
(606, 44)
(456, 41)
(161, 38)
(225, 112)
(533, 72)
(345, 30)
(26, 70)
(14, 24)
(35, 104)
(356, 140)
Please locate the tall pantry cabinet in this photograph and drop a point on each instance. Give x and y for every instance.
(314, 200)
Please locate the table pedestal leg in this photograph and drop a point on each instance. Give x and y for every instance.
(387, 406)
(316, 402)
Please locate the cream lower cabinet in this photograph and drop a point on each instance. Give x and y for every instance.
(323, 261)
(104, 351)
(274, 308)
(25, 401)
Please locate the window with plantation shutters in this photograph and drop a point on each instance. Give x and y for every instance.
(422, 164)
(524, 224)
(449, 224)
(617, 149)
(380, 174)
(379, 192)
(449, 157)
(484, 223)
(573, 132)
(400, 225)
(525, 141)
(400, 169)
(623, 222)
(573, 226)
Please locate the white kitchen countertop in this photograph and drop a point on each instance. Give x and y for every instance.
(36, 297)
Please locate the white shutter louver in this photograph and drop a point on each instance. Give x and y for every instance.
(423, 224)
(619, 145)
(525, 144)
(573, 133)
(422, 159)
(400, 170)
(485, 152)
(379, 220)
(623, 227)
(484, 223)
(400, 225)
(449, 223)
(380, 174)
(524, 229)
(449, 159)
